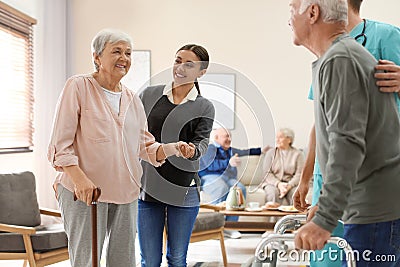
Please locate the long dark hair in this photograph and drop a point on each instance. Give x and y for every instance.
(202, 54)
(355, 5)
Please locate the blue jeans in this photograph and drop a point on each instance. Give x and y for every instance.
(217, 187)
(152, 217)
(378, 244)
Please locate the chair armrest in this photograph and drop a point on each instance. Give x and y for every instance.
(212, 207)
(23, 230)
(50, 212)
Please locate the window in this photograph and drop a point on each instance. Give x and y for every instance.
(16, 86)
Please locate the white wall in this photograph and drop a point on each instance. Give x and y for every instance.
(250, 36)
(49, 77)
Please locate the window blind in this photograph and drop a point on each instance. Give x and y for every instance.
(16, 86)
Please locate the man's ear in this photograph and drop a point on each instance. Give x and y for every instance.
(314, 13)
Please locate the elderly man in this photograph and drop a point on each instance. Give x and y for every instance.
(383, 42)
(218, 169)
(352, 120)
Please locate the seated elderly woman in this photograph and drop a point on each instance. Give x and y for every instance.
(282, 168)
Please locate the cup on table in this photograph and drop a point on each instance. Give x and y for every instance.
(253, 205)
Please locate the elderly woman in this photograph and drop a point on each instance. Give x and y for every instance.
(282, 168)
(99, 133)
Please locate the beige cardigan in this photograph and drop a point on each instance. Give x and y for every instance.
(106, 146)
(284, 168)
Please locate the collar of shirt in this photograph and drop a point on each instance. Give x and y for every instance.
(191, 96)
(216, 144)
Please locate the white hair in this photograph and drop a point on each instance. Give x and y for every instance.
(108, 36)
(289, 133)
(331, 10)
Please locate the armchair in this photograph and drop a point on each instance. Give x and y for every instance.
(22, 237)
(210, 225)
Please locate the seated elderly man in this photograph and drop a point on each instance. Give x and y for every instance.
(282, 169)
(218, 170)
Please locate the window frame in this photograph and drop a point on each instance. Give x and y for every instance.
(17, 23)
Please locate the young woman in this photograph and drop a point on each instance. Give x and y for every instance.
(170, 193)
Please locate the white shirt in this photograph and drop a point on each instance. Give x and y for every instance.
(114, 98)
(191, 96)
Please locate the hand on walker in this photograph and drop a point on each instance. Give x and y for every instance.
(311, 237)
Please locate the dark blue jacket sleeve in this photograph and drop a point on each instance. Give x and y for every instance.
(210, 163)
(246, 152)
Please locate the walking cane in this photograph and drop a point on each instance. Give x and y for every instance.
(95, 197)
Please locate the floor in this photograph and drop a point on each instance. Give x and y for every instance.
(238, 251)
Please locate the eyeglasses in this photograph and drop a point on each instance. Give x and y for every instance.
(362, 35)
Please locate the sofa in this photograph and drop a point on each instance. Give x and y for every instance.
(250, 173)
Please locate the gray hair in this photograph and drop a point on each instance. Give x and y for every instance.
(108, 36)
(289, 133)
(331, 10)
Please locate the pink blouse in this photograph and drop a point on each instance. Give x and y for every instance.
(106, 146)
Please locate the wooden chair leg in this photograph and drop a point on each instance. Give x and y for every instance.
(29, 250)
(164, 247)
(223, 250)
(25, 263)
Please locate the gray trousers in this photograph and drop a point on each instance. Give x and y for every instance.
(272, 195)
(116, 223)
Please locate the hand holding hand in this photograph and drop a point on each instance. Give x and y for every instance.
(171, 149)
(388, 80)
(235, 161)
(299, 197)
(192, 150)
(186, 150)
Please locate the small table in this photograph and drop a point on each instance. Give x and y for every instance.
(250, 226)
